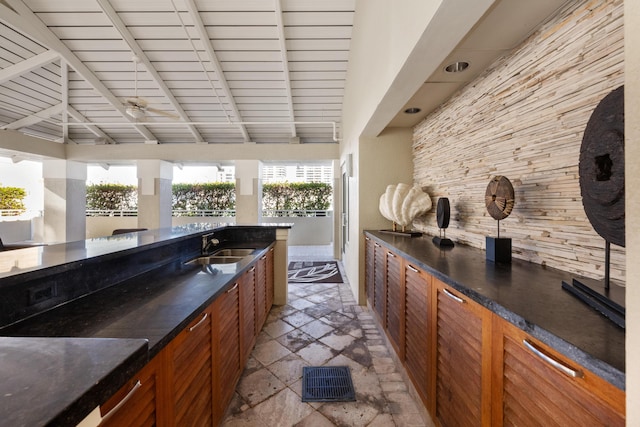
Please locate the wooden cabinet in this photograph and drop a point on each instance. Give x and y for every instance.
(418, 331)
(227, 358)
(380, 282)
(370, 267)
(394, 312)
(247, 285)
(536, 386)
(261, 292)
(134, 405)
(472, 368)
(463, 364)
(192, 380)
(270, 278)
(190, 374)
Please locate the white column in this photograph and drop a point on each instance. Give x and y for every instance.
(632, 204)
(154, 193)
(65, 199)
(248, 192)
(280, 264)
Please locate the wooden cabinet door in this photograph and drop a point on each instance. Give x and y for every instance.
(247, 312)
(189, 374)
(226, 338)
(136, 403)
(463, 365)
(419, 345)
(270, 279)
(394, 313)
(261, 292)
(370, 267)
(536, 386)
(380, 282)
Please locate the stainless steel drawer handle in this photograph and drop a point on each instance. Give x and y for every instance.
(412, 268)
(263, 257)
(560, 366)
(377, 245)
(252, 269)
(392, 255)
(453, 296)
(204, 317)
(235, 286)
(124, 400)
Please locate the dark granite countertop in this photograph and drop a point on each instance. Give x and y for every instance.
(73, 373)
(526, 294)
(23, 264)
(135, 318)
(155, 306)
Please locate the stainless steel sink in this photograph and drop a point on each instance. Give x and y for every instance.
(234, 252)
(215, 259)
(223, 256)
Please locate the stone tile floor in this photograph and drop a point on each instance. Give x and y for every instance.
(321, 325)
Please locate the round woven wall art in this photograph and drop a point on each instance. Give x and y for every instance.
(601, 168)
(499, 197)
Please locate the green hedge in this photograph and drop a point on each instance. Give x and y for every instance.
(296, 196)
(214, 196)
(12, 198)
(209, 196)
(112, 197)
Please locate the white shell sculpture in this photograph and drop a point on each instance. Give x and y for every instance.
(402, 203)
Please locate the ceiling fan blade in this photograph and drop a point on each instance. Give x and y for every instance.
(162, 113)
(137, 102)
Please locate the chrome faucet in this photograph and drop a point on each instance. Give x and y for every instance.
(208, 242)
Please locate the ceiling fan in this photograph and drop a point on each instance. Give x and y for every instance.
(137, 107)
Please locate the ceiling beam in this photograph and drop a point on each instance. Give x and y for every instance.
(285, 63)
(89, 126)
(40, 148)
(64, 83)
(27, 65)
(35, 118)
(197, 152)
(135, 48)
(26, 22)
(215, 63)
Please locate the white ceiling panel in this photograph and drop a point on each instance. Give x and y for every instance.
(245, 61)
(71, 19)
(235, 73)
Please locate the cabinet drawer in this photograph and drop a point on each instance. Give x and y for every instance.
(540, 387)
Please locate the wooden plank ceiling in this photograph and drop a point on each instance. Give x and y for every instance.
(208, 72)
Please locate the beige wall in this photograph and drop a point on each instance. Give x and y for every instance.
(524, 118)
(366, 90)
(632, 199)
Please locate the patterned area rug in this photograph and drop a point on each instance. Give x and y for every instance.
(314, 272)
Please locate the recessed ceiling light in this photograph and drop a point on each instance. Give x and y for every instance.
(412, 110)
(456, 67)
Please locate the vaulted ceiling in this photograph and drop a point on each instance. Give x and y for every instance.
(179, 71)
(97, 72)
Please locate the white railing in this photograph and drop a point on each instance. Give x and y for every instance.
(226, 213)
(106, 212)
(295, 213)
(18, 214)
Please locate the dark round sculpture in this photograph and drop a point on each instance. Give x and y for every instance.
(443, 212)
(601, 168)
(499, 197)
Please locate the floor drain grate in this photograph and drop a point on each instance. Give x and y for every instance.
(327, 384)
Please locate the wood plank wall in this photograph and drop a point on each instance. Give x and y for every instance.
(524, 118)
